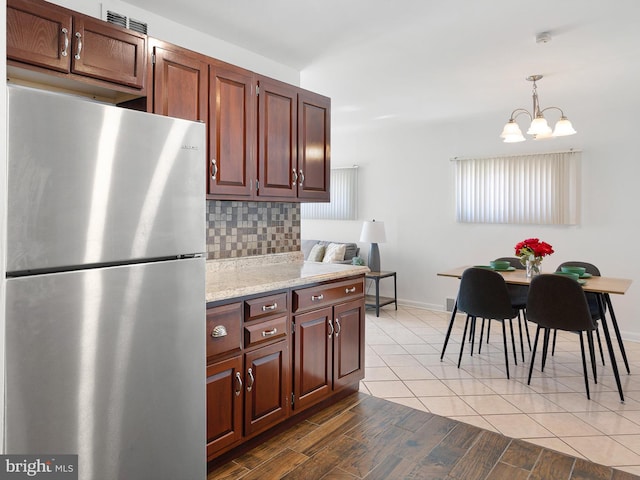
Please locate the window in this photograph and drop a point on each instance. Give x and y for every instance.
(524, 189)
(344, 198)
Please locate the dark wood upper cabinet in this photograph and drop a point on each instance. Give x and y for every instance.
(277, 142)
(314, 144)
(180, 83)
(232, 133)
(46, 37)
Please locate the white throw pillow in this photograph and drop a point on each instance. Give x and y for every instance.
(334, 253)
(317, 253)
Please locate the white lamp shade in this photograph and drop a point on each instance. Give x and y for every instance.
(514, 138)
(539, 126)
(563, 128)
(511, 129)
(373, 232)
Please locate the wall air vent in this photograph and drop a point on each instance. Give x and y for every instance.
(116, 18)
(138, 26)
(131, 24)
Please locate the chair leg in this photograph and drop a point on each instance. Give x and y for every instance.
(464, 337)
(481, 333)
(521, 339)
(592, 355)
(526, 327)
(600, 345)
(488, 330)
(513, 342)
(504, 340)
(584, 366)
(446, 338)
(545, 348)
(473, 334)
(553, 348)
(533, 354)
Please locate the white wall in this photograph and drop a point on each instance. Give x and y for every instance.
(3, 198)
(406, 180)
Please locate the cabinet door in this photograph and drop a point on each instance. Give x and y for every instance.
(277, 142)
(314, 161)
(179, 85)
(267, 387)
(348, 343)
(39, 34)
(224, 404)
(312, 359)
(107, 52)
(232, 135)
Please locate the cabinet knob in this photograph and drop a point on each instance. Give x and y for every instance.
(79, 48)
(214, 169)
(65, 32)
(315, 298)
(219, 331)
(338, 327)
(330, 328)
(269, 333)
(252, 379)
(239, 382)
(301, 177)
(294, 177)
(266, 308)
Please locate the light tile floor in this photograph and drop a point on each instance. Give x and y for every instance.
(403, 365)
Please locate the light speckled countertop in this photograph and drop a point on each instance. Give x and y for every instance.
(246, 276)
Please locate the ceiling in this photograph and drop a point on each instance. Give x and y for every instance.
(433, 60)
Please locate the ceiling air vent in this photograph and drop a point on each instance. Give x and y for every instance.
(138, 26)
(116, 18)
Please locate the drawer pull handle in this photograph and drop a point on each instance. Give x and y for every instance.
(266, 308)
(269, 333)
(79, 50)
(214, 169)
(295, 177)
(250, 385)
(338, 327)
(350, 290)
(317, 297)
(330, 329)
(66, 42)
(239, 380)
(219, 331)
(301, 177)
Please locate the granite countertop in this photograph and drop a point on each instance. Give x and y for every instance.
(246, 276)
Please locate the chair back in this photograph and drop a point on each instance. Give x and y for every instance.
(483, 293)
(558, 302)
(592, 298)
(513, 261)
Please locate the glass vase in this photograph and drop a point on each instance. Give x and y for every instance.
(533, 267)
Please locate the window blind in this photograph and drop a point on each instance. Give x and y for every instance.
(521, 189)
(344, 198)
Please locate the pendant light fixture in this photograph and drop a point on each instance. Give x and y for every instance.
(539, 127)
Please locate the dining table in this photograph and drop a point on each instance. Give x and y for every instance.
(602, 287)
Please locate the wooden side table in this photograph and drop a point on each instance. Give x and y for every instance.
(376, 300)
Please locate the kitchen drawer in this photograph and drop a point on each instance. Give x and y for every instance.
(224, 327)
(262, 306)
(265, 331)
(327, 294)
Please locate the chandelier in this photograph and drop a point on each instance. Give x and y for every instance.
(539, 128)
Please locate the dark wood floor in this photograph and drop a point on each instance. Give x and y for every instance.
(370, 438)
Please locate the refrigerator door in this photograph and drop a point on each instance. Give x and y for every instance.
(90, 183)
(109, 364)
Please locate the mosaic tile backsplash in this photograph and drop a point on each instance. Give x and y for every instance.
(244, 229)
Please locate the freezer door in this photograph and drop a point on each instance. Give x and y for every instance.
(90, 183)
(109, 364)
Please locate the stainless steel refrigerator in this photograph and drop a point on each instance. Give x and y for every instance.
(105, 289)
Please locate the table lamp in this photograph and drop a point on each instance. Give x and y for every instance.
(373, 233)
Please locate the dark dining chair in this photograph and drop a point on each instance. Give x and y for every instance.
(518, 295)
(559, 303)
(592, 300)
(483, 293)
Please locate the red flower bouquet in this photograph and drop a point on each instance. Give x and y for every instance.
(533, 247)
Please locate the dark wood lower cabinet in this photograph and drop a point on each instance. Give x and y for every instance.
(293, 356)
